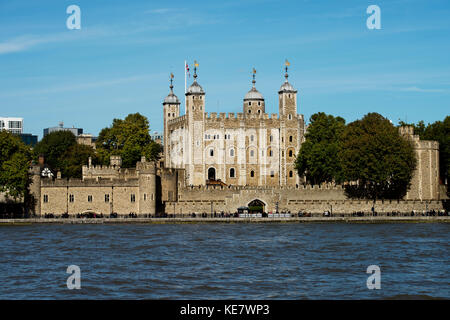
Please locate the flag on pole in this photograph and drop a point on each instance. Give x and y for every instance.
(187, 70)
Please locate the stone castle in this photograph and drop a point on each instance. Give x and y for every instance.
(218, 163)
(251, 148)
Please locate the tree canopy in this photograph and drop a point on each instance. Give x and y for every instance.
(62, 152)
(129, 138)
(15, 159)
(318, 156)
(377, 158)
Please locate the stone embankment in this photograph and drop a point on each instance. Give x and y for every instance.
(384, 219)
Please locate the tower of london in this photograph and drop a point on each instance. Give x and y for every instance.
(251, 148)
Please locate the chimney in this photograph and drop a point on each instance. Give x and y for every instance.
(41, 160)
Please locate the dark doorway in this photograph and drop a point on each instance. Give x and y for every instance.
(256, 206)
(211, 174)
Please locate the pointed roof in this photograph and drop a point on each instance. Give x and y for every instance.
(286, 86)
(195, 88)
(253, 94)
(171, 97)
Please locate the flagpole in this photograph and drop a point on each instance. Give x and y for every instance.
(185, 87)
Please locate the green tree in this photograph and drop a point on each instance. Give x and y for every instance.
(53, 146)
(129, 138)
(376, 158)
(74, 158)
(15, 159)
(62, 152)
(318, 155)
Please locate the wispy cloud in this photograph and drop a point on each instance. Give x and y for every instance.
(158, 11)
(22, 43)
(83, 85)
(27, 42)
(417, 89)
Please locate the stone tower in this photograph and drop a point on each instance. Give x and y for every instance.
(195, 113)
(425, 180)
(171, 107)
(254, 101)
(146, 172)
(290, 135)
(35, 189)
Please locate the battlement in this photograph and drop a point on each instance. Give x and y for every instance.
(98, 182)
(264, 188)
(180, 119)
(146, 167)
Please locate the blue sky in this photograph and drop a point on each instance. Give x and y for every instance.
(120, 60)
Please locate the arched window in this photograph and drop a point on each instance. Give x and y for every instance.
(290, 138)
(251, 138)
(232, 173)
(290, 116)
(231, 152)
(211, 152)
(252, 153)
(271, 138)
(270, 153)
(252, 173)
(249, 103)
(211, 174)
(290, 153)
(290, 174)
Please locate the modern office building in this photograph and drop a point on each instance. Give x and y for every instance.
(29, 139)
(60, 127)
(157, 137)
(13, 125)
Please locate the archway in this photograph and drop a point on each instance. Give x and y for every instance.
(211, 174)
(256, 206)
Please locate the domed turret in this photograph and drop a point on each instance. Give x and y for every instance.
(286, 87)
(171, 97)
(195, 88)
(253, 100)
(287, 98)
(253, 94)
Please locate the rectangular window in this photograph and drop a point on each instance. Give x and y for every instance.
(133, 198)
(145, 196)
(45, 198)
(272, 174)
(71, 198)
(89, 198)
(106, 197)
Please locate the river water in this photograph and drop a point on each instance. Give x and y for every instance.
(225, 261)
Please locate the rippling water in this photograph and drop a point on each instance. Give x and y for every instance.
(225, 261)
